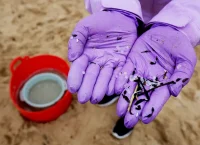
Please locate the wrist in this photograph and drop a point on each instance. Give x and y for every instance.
(126, 13)
(138, 22)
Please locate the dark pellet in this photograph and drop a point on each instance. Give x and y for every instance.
(178, 79)
(138, 107)
(173, 82)
(152, 111)
(152, 63)
(149, 115)
(74, 35)
(140, 101)
(185, 80)
(119, 38)
(154, 85)
(146, 51)
(93, 63)
(156, 78)
(126, 98)
(156, 58)
(133, 72)
(164, 75)
(125, 92)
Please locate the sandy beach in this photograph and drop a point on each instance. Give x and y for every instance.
(32, 27)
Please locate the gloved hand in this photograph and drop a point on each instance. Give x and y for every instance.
(161, 63)
(98, 48)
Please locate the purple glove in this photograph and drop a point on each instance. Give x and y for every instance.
(99, 45)
(160, 63)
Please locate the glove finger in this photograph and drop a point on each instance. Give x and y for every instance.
(111, 86)
(76, 73)
(85, 92)
(181, 76)
(157, 100)
(77, 42)
(122, 79)
(125, 98)
(101, 85)
(132, 116)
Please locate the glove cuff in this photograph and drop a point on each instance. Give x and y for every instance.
(126, 13)
(138, 22)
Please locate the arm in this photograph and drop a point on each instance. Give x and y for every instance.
(183, 15)
(132, 6)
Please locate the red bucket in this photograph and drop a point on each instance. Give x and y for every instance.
(22, 69)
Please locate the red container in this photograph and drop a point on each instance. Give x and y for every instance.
(22, 68)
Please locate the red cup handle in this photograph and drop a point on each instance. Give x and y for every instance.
(16, 62)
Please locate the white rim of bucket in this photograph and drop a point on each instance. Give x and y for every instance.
(38, 78)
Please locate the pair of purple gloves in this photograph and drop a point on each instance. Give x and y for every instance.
(109, 58)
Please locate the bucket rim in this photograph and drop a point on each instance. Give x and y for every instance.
(38, 78)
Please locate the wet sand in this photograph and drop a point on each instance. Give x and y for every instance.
(44, 26)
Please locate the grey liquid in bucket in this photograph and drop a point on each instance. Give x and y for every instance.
(44, 92)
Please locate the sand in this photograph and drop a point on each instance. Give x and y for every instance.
(32, 27)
